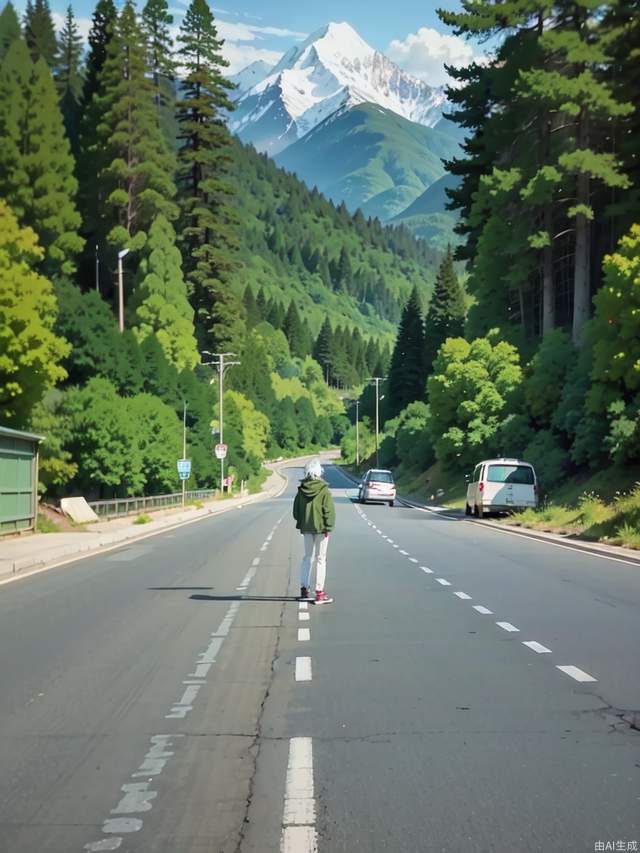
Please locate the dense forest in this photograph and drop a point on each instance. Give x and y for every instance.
(546, 362)
(111, 159)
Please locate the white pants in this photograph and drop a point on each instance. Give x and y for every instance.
(315, 556)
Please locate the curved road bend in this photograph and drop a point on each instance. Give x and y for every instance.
(467, 691)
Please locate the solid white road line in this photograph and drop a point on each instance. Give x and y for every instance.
(427, 570)
(304, 635)
(536, 647)
(443, 582)
(507, 626)
(299, 814)
(304, 615)
(463, 596)
(577, 674)
(303, 669)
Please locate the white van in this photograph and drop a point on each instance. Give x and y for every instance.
(501, 485)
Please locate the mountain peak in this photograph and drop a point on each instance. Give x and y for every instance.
(333, 68)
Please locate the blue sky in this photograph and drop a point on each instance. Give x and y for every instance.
(409, 32)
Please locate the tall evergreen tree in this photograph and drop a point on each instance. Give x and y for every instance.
(36, 166)
(68, 76)
(251, 308)
(156, 22)
(9, 28)
(208, 234)
(323, 347)
(445, 315)
(294, 332)
(406, 372)
(102, 22)
(160, 305)
(39, 32)
(136, 177)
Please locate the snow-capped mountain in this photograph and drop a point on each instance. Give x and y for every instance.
(249, 77)
(334, 68)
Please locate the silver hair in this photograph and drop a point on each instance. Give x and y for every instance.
(313, 469)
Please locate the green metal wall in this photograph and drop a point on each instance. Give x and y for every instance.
(17, 487)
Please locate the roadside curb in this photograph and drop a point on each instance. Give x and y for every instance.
(597, 550)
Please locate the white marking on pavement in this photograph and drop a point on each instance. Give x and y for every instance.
(396, 546)
(484, 610)
(577, 674)
(137, 798)
(304, 605)
(156, 758)
(427, 570)
(303, 669)
(405, 553)
(299, 814)
(209, 656)
(178, 712)
(265, 546)
(463, 596)
(412, 560)
(537, 647)
(304, 616)
(122, 824)
(201, 670)
(443, 582)
(304, 635)
(105, 844)
(390, 541)
(507, 626)
(256, 561)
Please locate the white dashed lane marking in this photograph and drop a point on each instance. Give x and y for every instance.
(303, 669)
(303, 616)
(299, 814)
(412, 560)
(536, 647)
(507, 626)
(304, 635)
(575, 673)
(463, 596)
(427, 570)
(443, 582)
(404, 553)
(484, 610)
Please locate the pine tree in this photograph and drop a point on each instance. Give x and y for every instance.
(39, 32)
(68, 76)
(208, 236)
(36, 166)
(159, 304)
(156, 22)
(445, 316)
(102, 23)
(322, 351)
(406, 373)
(9, 28)
(344, 273)
(136, 179)
(30, 351)
(294, 332)
(251, 308)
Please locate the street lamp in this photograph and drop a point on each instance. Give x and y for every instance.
(222, 363)
(121, 254)
(377, 380)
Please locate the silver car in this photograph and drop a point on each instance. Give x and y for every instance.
(377, 485)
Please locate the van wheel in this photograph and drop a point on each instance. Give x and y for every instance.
(467, 509)
(475, 511)
(480, 512)
(391, 503)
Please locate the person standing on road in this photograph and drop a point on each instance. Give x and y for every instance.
(315, 516)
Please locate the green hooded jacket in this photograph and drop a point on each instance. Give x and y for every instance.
(313, 507)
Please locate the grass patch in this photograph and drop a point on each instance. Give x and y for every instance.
(615, 521)
(255, 483)
(46, 525)
(198, 504)
(144, 518)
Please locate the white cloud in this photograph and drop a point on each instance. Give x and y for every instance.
(425, 53)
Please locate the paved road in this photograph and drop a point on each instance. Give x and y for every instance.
(174, 697)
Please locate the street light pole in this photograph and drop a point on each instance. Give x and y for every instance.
(222, 363)
(122, 254)
(97, 271)
(377, 380)
(357, 435)
(184, 445)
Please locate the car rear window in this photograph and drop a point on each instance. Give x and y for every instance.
(380, 477)
(521, 474)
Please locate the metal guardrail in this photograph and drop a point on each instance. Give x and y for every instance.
(129, 506)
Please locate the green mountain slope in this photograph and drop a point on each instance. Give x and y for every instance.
(370, 158)
(297, 245)
(427, 217)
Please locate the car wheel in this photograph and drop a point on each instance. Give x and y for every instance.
(467, 509)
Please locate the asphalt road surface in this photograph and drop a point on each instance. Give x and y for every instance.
(468, 691)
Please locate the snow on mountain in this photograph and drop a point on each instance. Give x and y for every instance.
(333, 68)
(249, 77)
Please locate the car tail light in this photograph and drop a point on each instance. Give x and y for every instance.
(481, 487)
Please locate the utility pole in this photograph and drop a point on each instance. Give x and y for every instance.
(357, 434)
(377, 380)
(184, 446)
(222, 363)
(97, 271)
(122, 254)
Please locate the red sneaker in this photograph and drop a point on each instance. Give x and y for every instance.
(321, 597)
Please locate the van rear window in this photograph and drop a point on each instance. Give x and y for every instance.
(380, 477)
(521, 474)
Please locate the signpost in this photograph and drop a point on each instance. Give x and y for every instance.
(184, 472)
(221, 451)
